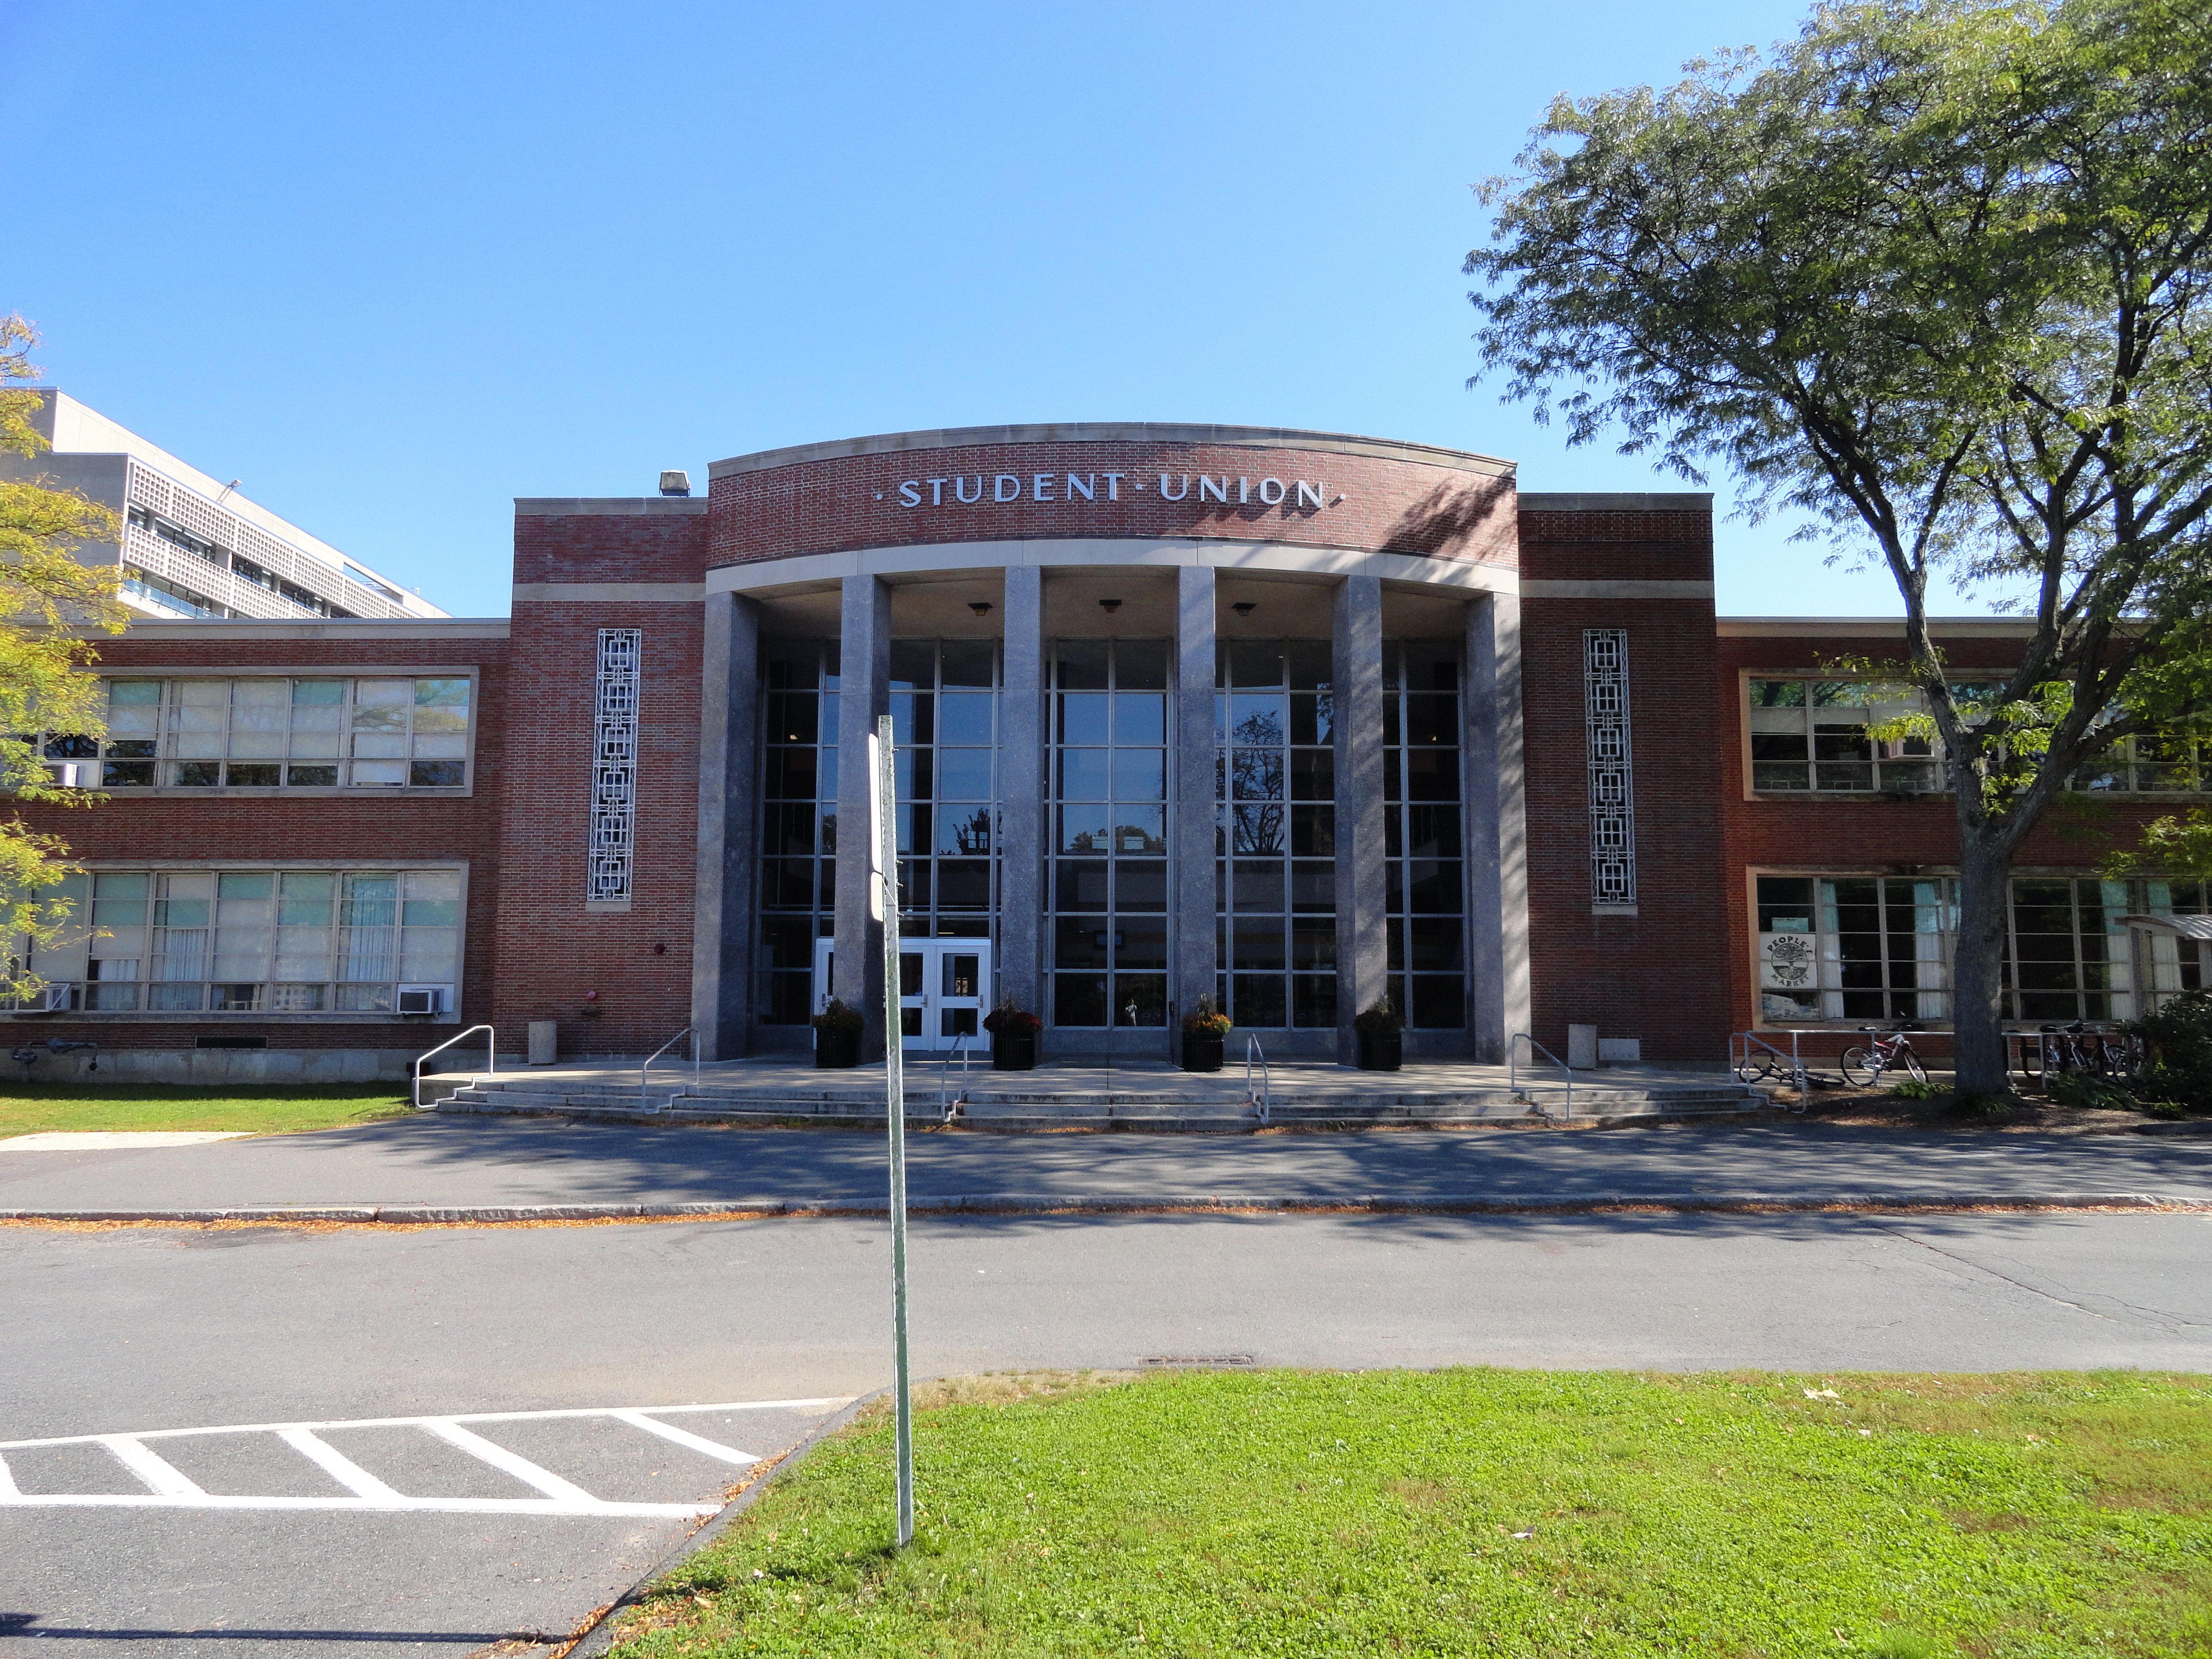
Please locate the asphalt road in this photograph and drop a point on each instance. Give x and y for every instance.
(141, 1330)
(491, 1161)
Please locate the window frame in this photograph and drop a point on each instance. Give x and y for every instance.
(350, 672)
(460, 868)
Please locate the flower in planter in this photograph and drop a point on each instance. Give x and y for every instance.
(1206, 1020)
(1379, 1019)
(1006, 1020)
(837, 1017)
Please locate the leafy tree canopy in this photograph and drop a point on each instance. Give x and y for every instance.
(48, 602)
(1936, 274)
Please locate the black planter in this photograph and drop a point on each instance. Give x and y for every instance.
(1014, 1051)
(834, 1050)
(1201, 1053)
(1381, 1053)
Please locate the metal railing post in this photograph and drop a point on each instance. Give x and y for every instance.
(1513, 1072)
(686, 1032)
(491, 1057)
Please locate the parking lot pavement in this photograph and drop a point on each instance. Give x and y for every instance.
(436, 1161)
(448, 1531)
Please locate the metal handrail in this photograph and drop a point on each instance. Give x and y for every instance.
(491, 1057)
(1513, 1074)
(691, 1031)
(944, 1075)
(1262, 1101)
(1796, 1066)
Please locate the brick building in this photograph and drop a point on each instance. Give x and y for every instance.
(1293, 719)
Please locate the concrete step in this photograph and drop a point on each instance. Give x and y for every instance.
(1038, 1109)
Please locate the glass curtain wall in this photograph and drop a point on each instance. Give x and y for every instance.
(1106, 727)
(798, 823)
(1275, 844)
(945, 721)
(1424, 828)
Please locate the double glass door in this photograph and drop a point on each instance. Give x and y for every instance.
(943, 983)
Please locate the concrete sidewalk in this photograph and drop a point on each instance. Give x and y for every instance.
(439, 1167)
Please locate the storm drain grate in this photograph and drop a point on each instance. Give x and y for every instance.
(1194, 1362)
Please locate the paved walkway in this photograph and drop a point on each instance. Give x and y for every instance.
(475, 1163)
(780, 1074)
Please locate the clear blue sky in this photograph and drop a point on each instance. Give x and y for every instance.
(393, 265)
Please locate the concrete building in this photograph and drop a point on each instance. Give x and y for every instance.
(1293, 719)
(190, 546)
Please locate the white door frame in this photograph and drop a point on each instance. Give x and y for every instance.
(937, 1003)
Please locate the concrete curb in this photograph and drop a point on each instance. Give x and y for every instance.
(1117, 1203)
(597, 1634)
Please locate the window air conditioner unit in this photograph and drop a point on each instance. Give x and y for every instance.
(63, 775)
(426, 999)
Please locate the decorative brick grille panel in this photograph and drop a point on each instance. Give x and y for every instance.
(614, 764)
(1611, 786)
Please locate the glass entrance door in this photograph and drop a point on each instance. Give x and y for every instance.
(942, 982)
(941, 986)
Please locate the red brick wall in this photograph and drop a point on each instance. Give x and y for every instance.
(550, 949)
(850, 501)
(1662, 975)
(1780, 834)
(301, 826)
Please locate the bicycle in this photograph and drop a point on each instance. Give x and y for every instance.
(1864, 1065)
(2079, 1049)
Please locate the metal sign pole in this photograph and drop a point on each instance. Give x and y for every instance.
(883, 797)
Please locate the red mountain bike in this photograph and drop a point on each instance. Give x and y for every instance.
(1864, 1066)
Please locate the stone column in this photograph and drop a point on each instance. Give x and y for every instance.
(1022, 827)
(1356, 683)
(722, 989)
(863, 697)
(1190, 825)
(1496, 828)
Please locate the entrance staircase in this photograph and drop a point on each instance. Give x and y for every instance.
(996, 1101)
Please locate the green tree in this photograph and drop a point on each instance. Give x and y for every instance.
(1935, 275)
(48, 602)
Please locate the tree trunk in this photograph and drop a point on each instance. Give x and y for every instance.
(1977, 964)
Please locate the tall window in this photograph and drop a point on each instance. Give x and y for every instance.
(1879, 947)
(945, 721)
(256, 941)
(271, 732)
(1275, 846)
(1424, 831)
(798, 823)
(1106, 794)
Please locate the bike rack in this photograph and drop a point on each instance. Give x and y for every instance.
(691, 1031)
(1751, 1039)
(491, 1058)
(1261, 1102)
(1513, 1073)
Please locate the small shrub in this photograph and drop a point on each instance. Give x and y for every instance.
(2180, 1038)
(1980, 1105)
(1379, 1019)
(1206, 1020)
(1915, 1088)
(1007, 1020)
(2098, 1092)
(837, 1017)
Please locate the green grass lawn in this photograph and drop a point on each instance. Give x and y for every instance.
(28, 1108)
(1488, 1513)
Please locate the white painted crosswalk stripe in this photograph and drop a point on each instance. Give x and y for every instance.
(169, 1487)
(684, 1438)
(336, 1464)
